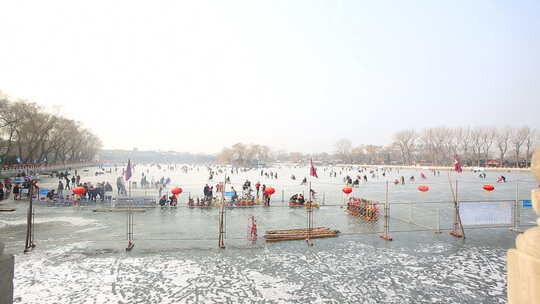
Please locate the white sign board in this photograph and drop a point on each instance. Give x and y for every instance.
(485, 213)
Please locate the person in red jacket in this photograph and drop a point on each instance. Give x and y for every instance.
(258, 186)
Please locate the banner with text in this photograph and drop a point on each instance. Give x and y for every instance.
(485, 213)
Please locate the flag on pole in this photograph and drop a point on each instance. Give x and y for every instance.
(312, 170)
(127, 174)
(457, 164)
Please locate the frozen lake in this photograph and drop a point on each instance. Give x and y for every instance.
(80, 255)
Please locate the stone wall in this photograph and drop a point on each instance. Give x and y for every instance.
(7, 263)
(524, 260)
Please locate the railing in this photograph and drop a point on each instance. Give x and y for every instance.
(8, 170)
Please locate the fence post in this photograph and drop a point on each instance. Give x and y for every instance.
(385, 235)
(323, 198)
(282, 196)
(457, 225)
(516, 212)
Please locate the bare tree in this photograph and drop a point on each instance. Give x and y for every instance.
(31, 135)
(296, 156)
(502, 141)
(373, 154)
(530, 142)
(476, 143)
(244, 155)
(9, 122)
(519, 136)
(488, 137)
(406, 141)
(442, 137)
(463, 140)
(427, 145)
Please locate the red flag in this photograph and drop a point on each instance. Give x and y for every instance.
(128, 170)
(312, 170)
(457, 164)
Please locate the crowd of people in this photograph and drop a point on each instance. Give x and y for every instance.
(247, 190)
(19, 190)
(171, 201)
(297, 199)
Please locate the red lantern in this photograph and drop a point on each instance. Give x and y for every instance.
(176, 190)
(347, 190)
(269, 190)
(488, 187)
(423, 188)
(79, 190)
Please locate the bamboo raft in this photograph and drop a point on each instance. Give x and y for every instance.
(299, 234)
(293, 204)
(7, 209)
(366, 209)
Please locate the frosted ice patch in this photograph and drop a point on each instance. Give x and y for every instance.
(74, 221)
(434, 248)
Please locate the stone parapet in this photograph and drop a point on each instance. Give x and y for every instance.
(524, 260)
(7, 263)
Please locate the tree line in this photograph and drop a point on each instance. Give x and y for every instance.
(245, 155)
(479, 146)
(476, 146)
(29, 134)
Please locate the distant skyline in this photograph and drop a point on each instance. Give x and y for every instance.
(197, 76)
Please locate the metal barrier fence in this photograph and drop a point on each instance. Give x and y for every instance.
(436, 217)
(394, 213)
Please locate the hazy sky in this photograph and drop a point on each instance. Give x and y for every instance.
(295, 75)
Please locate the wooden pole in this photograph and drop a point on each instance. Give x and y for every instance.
(221, 240)
(309, 218)
(29, 245)
(458, 214)
(131, 243)
(457, 218)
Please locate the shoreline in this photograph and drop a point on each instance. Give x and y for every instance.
(440, 168)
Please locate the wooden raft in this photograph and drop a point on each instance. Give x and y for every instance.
(299, 234)
(7, 209)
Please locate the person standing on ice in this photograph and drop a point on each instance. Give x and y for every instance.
(60, 188)
(258, 186)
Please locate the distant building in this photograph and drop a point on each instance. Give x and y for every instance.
(493, 163)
